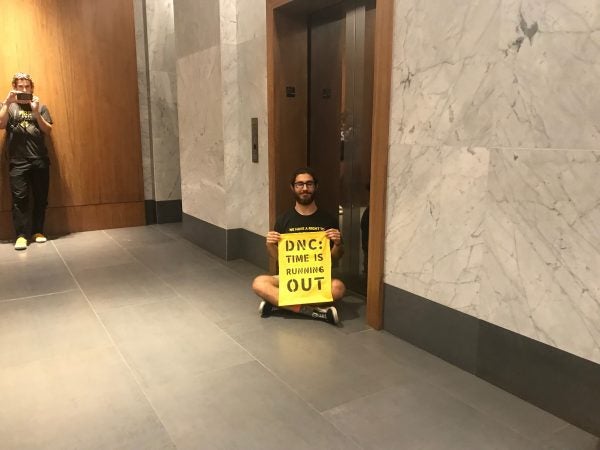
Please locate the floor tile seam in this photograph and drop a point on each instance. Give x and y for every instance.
(219, 266)
(7, 300)
(487, 415)
(59, 355)
(121, 356)
(158, 275)
(295, 392)
(491, 419)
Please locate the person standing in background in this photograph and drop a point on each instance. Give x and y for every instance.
(27, 122)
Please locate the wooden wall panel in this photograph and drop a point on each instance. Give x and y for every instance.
(81, 55)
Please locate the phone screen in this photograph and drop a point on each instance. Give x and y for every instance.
(24, 96)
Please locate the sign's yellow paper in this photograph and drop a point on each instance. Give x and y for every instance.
(304, 268)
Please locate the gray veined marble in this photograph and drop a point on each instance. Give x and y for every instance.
(506, 73)
(434, 242)
(542, 255)
(201, 136)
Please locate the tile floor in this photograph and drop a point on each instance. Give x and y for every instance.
(137, 339)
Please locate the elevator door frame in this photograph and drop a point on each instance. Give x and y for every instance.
(287, 59)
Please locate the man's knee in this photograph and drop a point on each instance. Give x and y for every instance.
(337, 288)
(260, 283)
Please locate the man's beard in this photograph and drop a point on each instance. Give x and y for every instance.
(305, 198)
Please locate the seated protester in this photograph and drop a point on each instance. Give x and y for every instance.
(304, 216)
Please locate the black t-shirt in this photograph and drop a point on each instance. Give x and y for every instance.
(25, 138)
(293, 222)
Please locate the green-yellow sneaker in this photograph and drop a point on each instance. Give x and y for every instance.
(21, 243)
(39, 238)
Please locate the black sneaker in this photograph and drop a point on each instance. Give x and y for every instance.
(265, 309)
(329, 315)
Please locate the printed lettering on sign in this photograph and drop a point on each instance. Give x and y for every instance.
(304, 268)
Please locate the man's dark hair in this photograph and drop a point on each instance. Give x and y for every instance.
(21, 76)
(302, 170)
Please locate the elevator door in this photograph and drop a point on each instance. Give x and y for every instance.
(341, 42)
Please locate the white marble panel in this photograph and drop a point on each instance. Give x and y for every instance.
(550, 68)
(166, 169)
(142, 76)
(251, 20)
(443, 58)
(249, 189)
(161, 35)
(197, 25)
(434, 242)
(414, 175)
(228, 22)
(542, 256)
(201, 136)
(165, 136)
(163, 101)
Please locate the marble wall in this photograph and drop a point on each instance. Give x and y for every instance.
(494, 156)
(221, 72)
(157, 87)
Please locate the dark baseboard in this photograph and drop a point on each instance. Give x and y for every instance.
(150, 206)
(559, 382)
(231, 244)
(166, 211)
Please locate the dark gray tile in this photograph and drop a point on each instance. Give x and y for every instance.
(557, 381)
(443, 331)
(243, 407)
(319, 361)
(8, 252)
(173, 230)
(352, 311)
(572, 438)
(170, 341)
(83, 400)
(420, 416)
(515, 413)
(32, 274)
(173, 257)
(138, 236)
(421, 363)
(245, 269)
(124, 284)
(91, 250)
(47, 326)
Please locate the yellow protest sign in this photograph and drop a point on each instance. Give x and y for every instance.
(304, 268)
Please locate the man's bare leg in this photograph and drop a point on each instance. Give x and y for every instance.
(267, 288)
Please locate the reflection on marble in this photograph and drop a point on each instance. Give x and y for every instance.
(161, 35)
(166, 169)
(157, 86)
(197, 25)
(201, 136)
(434, 242)
(233, 90)
(251, 20)
(542, 256)
(142, 76)
(251, 206)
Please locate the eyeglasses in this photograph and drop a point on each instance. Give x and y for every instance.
(301, 184)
